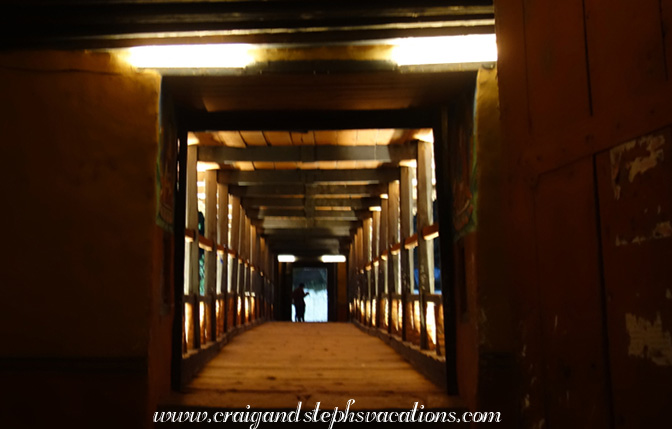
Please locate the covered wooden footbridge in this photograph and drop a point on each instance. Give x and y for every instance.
(332, 163)
(356, 192)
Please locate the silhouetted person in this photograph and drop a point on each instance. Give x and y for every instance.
(299, 302)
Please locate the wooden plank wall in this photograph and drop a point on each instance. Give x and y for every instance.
(578, 79)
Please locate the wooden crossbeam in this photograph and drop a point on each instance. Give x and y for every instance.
(354, 203)
(381, 153)
(303, 240)
(370, 175)
(310, 120)
(306, 232)
(258, 213)
(277, 223)
(299, 189)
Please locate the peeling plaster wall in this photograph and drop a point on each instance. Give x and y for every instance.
(648, 340)
(637, 246)
(586, 119)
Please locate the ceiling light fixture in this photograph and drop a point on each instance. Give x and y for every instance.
(286, 258)
(226, 55)
(472, 48)
(332, 258)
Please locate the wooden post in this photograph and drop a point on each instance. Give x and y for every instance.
(235, 245)
(354, 267)
(181, 255)
(246, 267)
(361, 275)
(223, 239)
(242, 266)
(262, 279)
(425, 248)
(445, 133)
(254, 263)
(375, 277)
(393, 237)
(382, 266)
(359, 258)
(191, 261)
(406, 223)
(368, 227)
(211, 255)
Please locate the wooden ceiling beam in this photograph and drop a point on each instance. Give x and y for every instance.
(60, 23)
(291, 233)
(305, 120)
(259, 213)
(300, 244)
(354, 203)
(281, 223)
(370, 175)
(381, 153)
(316, 190)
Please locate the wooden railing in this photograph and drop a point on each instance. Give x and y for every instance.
(387, 312)
(218, 315)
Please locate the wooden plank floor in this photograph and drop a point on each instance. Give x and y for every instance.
(277, 364)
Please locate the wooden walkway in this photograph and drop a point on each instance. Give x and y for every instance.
(277, 364)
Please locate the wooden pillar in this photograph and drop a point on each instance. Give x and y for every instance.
(248, 266)
(384, 244)
(211, 255)
(446, 133)
(392, 237)
(242, 266)
(223, 239)
(235, 245)
(382, 266)
(393, 234)
(361, 289)
(368, 254)
(268, 292)
(181, 254)
(351, 274)
(191, 259)
(354, 262)
(425, 248)
(375, 243)
(361, 274)
(259, 278)
(406, 225)
(254, 269)
(259, 243)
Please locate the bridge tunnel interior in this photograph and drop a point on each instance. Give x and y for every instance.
(324, 163)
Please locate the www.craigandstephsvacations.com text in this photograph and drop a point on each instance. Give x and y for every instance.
(417, 414)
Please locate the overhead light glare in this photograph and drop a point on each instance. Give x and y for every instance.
(332, 258)
(286, 258)
(375, 208)
(202, 166)
(192, 140)
(426, 135)
(225, 55)
(472, 48)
